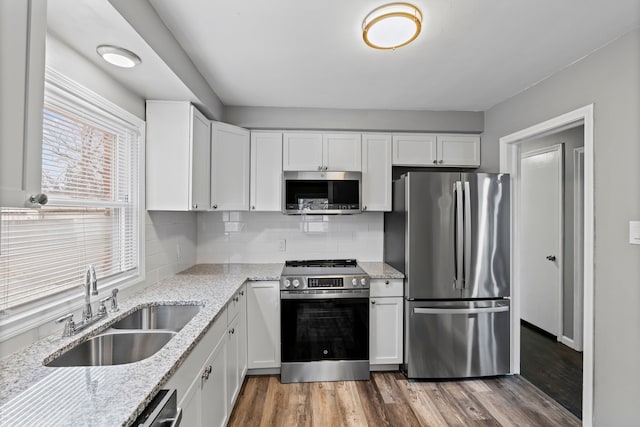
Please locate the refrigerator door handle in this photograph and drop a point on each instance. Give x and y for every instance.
(459, 236)
(498, 309)
(467, 234)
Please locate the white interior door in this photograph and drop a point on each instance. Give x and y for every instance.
(541, 248)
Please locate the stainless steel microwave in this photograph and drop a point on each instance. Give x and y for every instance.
(321, 193)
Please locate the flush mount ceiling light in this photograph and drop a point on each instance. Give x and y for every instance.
(392, 25)
(118, 56)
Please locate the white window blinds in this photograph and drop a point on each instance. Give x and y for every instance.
(90, 173)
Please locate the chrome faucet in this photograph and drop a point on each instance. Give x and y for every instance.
(90, 288)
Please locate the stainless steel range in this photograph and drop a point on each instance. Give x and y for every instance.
(324, 321)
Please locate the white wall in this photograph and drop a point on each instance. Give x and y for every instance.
(306, 237)
(610, 79)
(170, 245)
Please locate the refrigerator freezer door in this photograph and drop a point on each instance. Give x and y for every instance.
(487, 235)
(456, 339)
(430, 237)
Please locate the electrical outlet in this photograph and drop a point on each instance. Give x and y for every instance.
(282, 245)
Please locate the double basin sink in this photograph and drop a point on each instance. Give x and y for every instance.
(133, 338)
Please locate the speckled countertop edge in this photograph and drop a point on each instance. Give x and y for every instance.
(33, 394)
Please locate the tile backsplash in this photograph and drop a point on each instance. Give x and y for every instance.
(227, 237)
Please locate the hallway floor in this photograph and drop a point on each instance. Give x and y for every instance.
(552, 367)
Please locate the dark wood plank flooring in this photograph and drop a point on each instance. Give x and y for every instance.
(388, 399)
(552, 367)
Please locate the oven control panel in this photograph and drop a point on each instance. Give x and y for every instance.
(315, 282)
(325, 282)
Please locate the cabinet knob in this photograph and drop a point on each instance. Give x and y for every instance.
(373, 303)
(253, 208)
(214, 206)
(435, 162)
(364, 208)
(440, 161)
(386, 282)
(207, 372)
(38, 199)
(242, 293)
(325, 168)
(195, 206)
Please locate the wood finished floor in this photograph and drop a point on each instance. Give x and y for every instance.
(552, 367)
(388, 399)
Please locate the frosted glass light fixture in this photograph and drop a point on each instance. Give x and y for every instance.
(118, 56)
(392, 26)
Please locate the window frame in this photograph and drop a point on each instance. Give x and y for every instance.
(35, 314)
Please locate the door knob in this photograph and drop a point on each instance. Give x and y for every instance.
(551, 257)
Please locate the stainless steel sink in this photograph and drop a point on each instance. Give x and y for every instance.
(165, 317)
(114, 348)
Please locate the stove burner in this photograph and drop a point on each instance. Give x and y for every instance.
(322, 263)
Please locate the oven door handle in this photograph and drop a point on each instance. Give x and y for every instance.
(360, 293)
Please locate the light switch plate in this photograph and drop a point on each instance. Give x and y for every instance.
(634, 232)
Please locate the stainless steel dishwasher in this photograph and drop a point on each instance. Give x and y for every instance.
(162, 411)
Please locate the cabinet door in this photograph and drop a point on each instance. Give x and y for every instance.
(229, 167)
(385, 340)
(266, 171)
(214, 407)
(459, 150)
(376, 172)
(302, 151)
(263, 318)
(200, 160)
(22, 43)
(414, 150)
(191, 404)
(242, 337)
(233, 370)
(342, 152)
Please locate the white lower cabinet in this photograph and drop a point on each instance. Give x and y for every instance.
(385, 322)
(209, 380)
(236, 347)
(263, 318)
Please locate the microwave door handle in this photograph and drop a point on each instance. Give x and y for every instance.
(467, 234)
(459, 235)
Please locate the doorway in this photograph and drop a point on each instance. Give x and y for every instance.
(510, 153)
(550, 249)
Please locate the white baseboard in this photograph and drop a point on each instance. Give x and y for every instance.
(570, 343)
(382, 368)
(263, 371)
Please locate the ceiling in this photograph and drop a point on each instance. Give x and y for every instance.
(83, 25)
(470, 56)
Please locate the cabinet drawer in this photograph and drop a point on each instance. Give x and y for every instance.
(233, 307)
(190, 368)
(387, 288)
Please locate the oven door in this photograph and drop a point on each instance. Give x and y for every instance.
(324, 327)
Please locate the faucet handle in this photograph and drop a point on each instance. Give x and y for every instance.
(69, 326)
(102, 310)
(114, 300)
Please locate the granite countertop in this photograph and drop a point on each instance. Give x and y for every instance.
(33, 394)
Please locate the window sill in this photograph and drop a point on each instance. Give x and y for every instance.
(39, 319)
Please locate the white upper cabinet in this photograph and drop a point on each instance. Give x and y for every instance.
(22, 43)
(230, 147)
(302, 151)
(177, 157)
(342, 152)
(414, 150)
(376, 172)
(458, 150)
(266, 171)
(436, 150)
(306, 151)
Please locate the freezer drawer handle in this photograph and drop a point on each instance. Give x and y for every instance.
(419, 310)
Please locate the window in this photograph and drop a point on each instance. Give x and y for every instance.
(90, 170)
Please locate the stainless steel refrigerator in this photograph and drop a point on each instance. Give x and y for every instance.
(449, 234)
